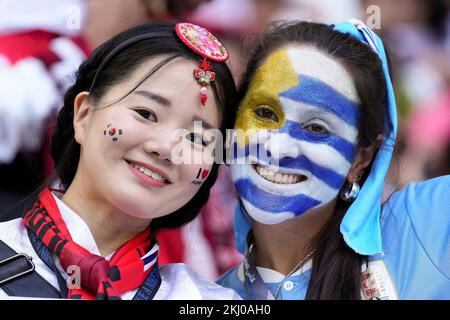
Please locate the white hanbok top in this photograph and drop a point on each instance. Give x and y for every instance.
(179, 281)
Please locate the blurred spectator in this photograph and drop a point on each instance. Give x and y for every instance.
(38, 53)
(417, 34)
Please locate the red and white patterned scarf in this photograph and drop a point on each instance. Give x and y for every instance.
(100, 279)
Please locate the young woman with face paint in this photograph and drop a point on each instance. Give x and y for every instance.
(318, 121)
(112, 148)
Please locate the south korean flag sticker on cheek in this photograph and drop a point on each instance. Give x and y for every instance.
(112, 132)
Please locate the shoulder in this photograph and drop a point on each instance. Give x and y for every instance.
(14, 234)
(234, 279)
(234, 274)
(418, 217)
(180, 281)
(429, 193)
(11, 232)
(425, 203)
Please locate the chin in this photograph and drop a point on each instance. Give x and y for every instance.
(133, 205)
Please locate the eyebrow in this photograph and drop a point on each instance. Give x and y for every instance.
(314, 92)
(155, 97)
(206, 124)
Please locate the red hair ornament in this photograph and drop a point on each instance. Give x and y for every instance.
(202, 42)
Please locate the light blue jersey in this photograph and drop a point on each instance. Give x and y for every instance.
(415, 229)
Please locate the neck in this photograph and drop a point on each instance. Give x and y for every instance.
(110, 227)
(282, 246)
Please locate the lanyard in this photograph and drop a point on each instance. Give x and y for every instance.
(146, 291)
(150, 286)
(253, 283)
(45, 255)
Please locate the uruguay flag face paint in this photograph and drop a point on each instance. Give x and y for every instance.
(301, 115)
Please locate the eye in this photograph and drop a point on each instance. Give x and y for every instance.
(266, 113)
(316, 128)
(147, 114)
(196, 138)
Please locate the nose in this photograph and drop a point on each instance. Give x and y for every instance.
(159, 148)
(281, 145)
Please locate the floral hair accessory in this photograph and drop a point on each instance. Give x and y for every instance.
(202, 42)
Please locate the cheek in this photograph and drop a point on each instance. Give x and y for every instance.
(112, 132)
(328, 172)
(116, 135)
(107, 146)
(193, 176)
(328, 156)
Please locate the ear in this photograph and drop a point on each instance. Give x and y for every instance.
(363, 158)
(81, 115)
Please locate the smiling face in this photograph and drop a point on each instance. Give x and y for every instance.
(302, 106)
(126, 148)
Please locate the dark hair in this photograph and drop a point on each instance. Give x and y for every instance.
(336, 272)
(149, 40)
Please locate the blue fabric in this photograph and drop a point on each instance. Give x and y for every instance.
(416, 239)
(242, 226)
(415, 232)
(298, 292)
(361, 223)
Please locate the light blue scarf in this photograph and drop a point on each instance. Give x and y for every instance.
(361, 224)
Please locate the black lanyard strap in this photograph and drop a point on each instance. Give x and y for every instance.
(22, 280)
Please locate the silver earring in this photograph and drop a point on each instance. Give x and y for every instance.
(350, 191)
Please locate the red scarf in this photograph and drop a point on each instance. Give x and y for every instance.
(100, 279)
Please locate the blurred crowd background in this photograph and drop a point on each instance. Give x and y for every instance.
(42, 42)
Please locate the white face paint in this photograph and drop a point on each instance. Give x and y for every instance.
(311, 100)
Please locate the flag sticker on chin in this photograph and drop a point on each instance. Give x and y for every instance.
(201, 176)
(376, 283)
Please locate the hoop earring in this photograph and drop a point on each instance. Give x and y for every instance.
(350, 191)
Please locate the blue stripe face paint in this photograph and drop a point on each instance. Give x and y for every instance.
(302, 164)
(317, 93)
(344, 147)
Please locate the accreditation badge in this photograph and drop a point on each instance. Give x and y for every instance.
(376, 283)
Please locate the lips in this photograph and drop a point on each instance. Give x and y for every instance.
(149, 171)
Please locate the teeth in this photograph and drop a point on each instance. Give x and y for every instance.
(277, 177)
(149, 173)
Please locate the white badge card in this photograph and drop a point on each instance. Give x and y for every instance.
(376, 282)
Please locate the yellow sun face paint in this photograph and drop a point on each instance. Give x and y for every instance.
(273, 77)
